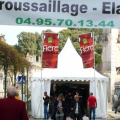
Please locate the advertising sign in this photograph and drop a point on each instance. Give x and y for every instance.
(86, 48)
(61, 13)
(50, 50)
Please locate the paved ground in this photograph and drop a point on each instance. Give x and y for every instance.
(96, 119)
(49, 119)
(111, 115)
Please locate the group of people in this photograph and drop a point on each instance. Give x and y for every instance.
(69, 106)
(14, 109)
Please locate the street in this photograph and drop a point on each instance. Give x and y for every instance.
(70, 119)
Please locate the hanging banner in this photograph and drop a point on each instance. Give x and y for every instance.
(86, 48)
(61, 13)
(50, 50)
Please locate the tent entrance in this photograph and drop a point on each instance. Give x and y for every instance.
(58, 87)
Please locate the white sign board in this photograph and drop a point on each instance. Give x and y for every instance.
(61, 13)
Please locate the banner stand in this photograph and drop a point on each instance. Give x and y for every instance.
(94, 61)
(42, 36)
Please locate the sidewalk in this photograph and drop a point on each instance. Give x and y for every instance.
(50, 119)
(31, 118)
(111, 114)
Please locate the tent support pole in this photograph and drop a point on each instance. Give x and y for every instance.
(94, 59)
(42, 36)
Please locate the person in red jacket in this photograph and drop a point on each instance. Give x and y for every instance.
(92, 104)
(11, 108)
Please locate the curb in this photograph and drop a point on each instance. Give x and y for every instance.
(110, 116)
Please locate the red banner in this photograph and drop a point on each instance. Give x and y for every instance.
(50, 50)
(86, 48)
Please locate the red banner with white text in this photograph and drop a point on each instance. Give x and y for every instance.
(50, 50)
(86, 48)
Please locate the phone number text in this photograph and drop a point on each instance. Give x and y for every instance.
(63, 22)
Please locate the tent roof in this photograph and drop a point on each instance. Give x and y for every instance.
(70, 67)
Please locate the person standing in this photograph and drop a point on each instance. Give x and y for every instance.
(77, 108)
(11, 108)
(59, 107)
(115, 102)
(46, 102)
(68, 102)
(80, 96)
(92, 105)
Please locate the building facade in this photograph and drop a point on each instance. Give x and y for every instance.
(110, 58)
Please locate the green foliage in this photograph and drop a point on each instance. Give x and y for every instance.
(98, 49)
(48, 30)
(12, 59)
(32, 41)
(97, 59)
(29, 42)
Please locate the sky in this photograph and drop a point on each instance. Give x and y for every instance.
(11, 32)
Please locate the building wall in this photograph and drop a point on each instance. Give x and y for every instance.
(114, 57)
(106, 59)
(111, 56)
(117, 60)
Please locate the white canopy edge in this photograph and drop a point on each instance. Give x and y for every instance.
(70, 79)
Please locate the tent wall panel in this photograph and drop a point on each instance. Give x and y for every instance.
(38, 87)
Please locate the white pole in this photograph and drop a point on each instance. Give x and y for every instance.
(94, 53)
(40, 104)
(94, 60)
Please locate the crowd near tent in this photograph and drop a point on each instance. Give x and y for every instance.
(70, 68)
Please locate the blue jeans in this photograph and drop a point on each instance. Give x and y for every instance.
(92, 110)
(46, 115)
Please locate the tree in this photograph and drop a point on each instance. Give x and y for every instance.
(48, 30)
(97, 59)
(98, 49)
(11, 59)
(29, 42)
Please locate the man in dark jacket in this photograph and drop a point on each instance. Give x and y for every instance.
(77, 108)
(46, 101)
(11, 108)
(68, 102)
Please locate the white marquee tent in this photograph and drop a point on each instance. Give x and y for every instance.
(70, 68)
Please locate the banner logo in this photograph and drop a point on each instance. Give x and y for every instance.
(50, 40)
(85, 41)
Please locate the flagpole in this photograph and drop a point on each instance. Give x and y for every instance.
(94, 60)
(42, 36)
